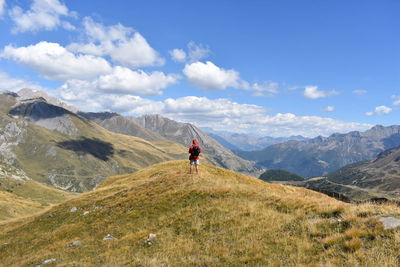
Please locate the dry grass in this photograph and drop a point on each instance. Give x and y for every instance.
(216, 218)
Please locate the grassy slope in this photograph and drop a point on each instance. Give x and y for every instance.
(129, 154)
(23, 198)
(216, 218)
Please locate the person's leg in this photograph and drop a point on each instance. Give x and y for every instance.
(197, 166)
(191, 166)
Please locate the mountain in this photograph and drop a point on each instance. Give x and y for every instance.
(121, 124)
(27, 93)
(322, 155)
(184, 133)
(245, 142)
(378, 178)
(162, 216)
(55, 146)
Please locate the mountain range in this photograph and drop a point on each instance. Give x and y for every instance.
(245, 142)
(322, 155)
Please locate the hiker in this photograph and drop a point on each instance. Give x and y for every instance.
(194, 151)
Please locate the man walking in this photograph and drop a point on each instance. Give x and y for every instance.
(194, 151)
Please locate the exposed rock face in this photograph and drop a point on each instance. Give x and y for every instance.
(321, 155)
(184, 133)
(120, 124)
(26, 93)
(41, 113)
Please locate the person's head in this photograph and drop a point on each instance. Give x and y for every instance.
(195, 143)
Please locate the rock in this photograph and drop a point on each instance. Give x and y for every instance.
(108, 237)
(86, 213)
(390, 222)
(74, 209)
(75, 243)
(48, 261)
(150, 239)
(152, 236)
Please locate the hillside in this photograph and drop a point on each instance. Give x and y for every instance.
(380, 177)
(322, 155)
(54, 146)
(280, 175)
(161, 216)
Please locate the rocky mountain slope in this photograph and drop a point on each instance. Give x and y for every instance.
(322, 155)
(184, 133)
(161, 216)
(121, 124)
(245, 142)
(54, 146)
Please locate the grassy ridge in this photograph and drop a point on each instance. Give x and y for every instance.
(23, 198)
(216, 218)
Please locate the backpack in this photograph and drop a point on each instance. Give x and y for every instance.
(195, 151)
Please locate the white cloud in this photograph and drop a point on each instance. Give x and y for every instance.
(329, 108)
(265, 89)
(125, 81)
(42, 15)
(123, 44)
(220, 114)
(380, 110)
(312, 92)
(396, 100)
(121, 81)
(178, 55)
(197, 51)
(55, 62)
(360, 92)
(2, 7)
(211, 77)
(15, 84)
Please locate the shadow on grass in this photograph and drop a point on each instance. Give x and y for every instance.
(95, 147)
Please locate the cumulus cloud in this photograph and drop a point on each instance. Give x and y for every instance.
(53, 61)
(210, 77)
(329, 108)
(380, 110)
(15, 84)
(219, 114)
(42, 15)
(178, 55)
(122, 44)
(195, 52)
(360, 92)
(312, 92)
(396, 100)
(2, 7)
(121, 81)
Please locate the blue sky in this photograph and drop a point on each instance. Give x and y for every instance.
(274, 68)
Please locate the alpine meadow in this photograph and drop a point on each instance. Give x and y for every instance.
(212, 133)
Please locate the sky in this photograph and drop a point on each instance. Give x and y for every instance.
(265, 68)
